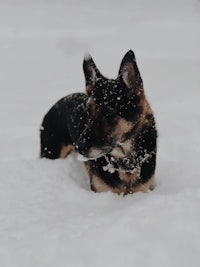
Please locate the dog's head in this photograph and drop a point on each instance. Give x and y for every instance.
(113, 107)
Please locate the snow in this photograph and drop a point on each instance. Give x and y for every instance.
(48, 215)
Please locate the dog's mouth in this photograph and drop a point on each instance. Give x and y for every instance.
(94, 153)
(82, 158)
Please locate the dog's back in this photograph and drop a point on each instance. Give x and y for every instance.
(62, 125)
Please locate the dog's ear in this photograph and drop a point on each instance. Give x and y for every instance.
(130, 74)
(91, 73)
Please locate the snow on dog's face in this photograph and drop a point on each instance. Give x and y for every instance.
(113, 107)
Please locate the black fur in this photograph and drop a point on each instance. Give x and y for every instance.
(63, 124)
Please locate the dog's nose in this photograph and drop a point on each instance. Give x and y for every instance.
(83, 145)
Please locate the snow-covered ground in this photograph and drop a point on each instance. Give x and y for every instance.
(48, 215)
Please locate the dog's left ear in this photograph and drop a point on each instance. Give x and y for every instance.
(91, 73)
(130, 74)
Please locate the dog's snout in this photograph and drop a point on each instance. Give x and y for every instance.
(83, 145)
(92, 148)
(85, 141)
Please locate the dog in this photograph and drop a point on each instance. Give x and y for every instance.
(111, 126)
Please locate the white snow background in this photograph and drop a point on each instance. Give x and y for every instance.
(48, 215)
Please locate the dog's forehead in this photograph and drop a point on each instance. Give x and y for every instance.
(107, 89)
(107, 84)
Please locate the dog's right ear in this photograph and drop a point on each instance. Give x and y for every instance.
(130, 74)
(91, 73)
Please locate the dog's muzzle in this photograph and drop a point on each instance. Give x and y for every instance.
(91, 146)
(94, 153)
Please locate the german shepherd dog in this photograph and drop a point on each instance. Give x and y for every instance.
(111, 125)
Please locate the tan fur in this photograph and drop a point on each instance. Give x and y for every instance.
(98, 185)
(65, 150)
(121, 149)
(146, 186)
(128, 177)
(117, 152)
(145, 109)
(123, 126)
(131, 180)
